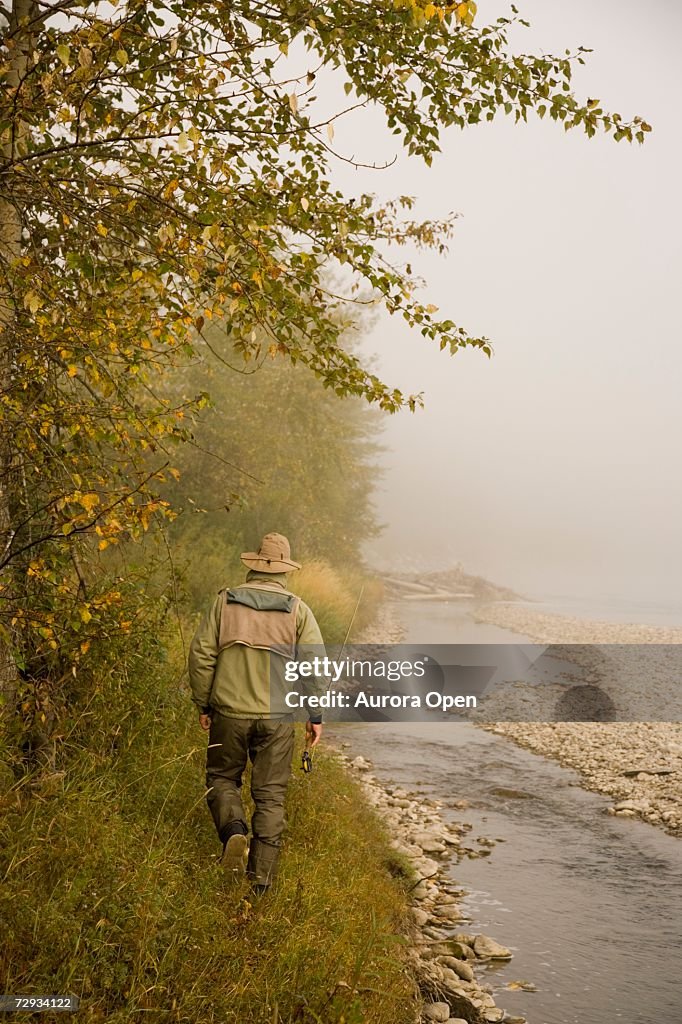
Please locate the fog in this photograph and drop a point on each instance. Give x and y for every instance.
(554, 467)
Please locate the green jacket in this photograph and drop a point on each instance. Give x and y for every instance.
(235, 681)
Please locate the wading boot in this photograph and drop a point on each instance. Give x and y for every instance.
(233, 860)
(262, 864)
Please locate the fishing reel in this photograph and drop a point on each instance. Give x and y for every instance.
(306, 762)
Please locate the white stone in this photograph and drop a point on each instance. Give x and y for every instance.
(487, 947)
(437, 1012)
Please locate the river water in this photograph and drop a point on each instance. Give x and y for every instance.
(591, 905)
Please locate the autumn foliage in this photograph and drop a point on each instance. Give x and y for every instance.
(164, 169)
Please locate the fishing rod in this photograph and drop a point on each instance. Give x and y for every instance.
(306, 756)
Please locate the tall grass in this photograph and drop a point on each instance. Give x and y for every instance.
(338, 599)
(111, 887)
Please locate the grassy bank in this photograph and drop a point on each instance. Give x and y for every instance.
(111, 888)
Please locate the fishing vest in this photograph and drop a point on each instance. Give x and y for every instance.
(260, 618)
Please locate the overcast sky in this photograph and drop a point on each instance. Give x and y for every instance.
(555, 466)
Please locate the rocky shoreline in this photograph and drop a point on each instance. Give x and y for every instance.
(448, 963)
(637, 763)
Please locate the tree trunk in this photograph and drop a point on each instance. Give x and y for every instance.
(13, 144)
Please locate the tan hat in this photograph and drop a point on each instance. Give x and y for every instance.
(274, 555)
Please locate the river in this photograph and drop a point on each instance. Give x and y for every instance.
(591, 905)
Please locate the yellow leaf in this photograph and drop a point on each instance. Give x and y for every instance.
(461, 10)
(85, 614)
(330, 131)
(170, 188)
(102, 545)
(136, 274)
(284, 48)
(32, 301)
(293, 102)
(89, 501)
(101, 230)
(429, 11)
(72, 371)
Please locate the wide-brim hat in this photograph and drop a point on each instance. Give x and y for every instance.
(274, 555)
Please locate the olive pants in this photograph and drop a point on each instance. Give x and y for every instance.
(269, 744)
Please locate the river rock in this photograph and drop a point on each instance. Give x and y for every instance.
(360, 764)
(420, 917)
(493, 1014)
(429, 842)
(456, 1020)
(487, 947)
(427, 867)
(510, 794)
(460, 967)
(435, 949)
(452, 980)
(447, 913)
(461, 950)
(466, 937)
(437, 1011)
(632, 805)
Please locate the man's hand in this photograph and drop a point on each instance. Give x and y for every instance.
(205, 722)
(313, 733)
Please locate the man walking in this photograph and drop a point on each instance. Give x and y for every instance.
(240, 639)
